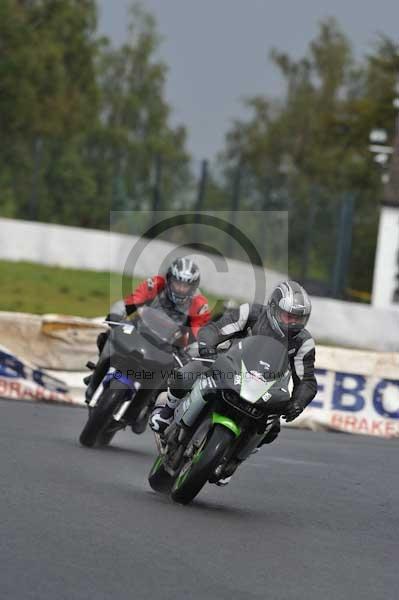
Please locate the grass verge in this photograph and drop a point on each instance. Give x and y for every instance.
(40, 289)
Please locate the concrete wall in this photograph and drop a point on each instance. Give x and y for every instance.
(335, 322)
(103, 251)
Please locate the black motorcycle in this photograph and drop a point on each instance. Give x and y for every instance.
(216, 430)
(132, 370)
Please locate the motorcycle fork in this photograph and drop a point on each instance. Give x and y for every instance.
(173, 447)
(182, 442)
(97, 378)
(240, 449)
(228, 459)
(199, 437)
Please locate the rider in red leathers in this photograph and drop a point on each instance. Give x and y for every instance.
(175, 294)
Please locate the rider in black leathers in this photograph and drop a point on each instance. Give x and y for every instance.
(284, 317)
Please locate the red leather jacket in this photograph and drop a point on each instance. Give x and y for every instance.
(197, 315)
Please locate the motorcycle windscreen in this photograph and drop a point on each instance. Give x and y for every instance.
(162, 326)
(263, 363)
(253, 387)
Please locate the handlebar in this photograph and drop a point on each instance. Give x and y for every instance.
(210, 360)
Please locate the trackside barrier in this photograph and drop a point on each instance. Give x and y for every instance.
(21, 380)
(358, 391)
(51, 341)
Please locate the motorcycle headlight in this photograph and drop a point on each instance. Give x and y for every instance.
(253, 410)
(230, 396)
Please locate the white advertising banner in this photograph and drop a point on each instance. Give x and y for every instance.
(20, 380)
(358, 392)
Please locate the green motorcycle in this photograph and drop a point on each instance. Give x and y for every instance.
(229, 410)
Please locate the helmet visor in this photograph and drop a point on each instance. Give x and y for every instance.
(290, 320)
(180, 288)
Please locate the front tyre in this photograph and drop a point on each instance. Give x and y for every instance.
(99, 428)
(159, 479)
(196, 472)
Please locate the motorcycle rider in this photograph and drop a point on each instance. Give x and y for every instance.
(284, 317)
(175, 294)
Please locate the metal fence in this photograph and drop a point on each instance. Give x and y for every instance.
(332, 235)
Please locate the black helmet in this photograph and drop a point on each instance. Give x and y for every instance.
(288, 308)
(182, 280)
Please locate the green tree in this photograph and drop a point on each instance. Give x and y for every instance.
(83, 121)
(134, 125)
(48, 88)
(308, 150)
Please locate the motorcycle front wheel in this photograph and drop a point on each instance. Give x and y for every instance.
(99, 429)
(159, 479)
(200, 468)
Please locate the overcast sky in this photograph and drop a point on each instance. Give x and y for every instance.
(217, 50)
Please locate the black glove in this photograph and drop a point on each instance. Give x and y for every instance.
(294, 410)
(115, 317)
(130, 309)
(206, 352)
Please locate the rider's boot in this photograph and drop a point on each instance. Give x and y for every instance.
(228, 472)
(162, 415)
(271, 434)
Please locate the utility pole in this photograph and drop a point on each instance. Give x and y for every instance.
(307, 244)
(157, 195)
(343, 245)
(199, 205)
(235, 206)
(37, 159)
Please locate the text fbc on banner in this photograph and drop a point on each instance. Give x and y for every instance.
(358, 392)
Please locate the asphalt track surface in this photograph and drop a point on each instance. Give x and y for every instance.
(313, 516)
